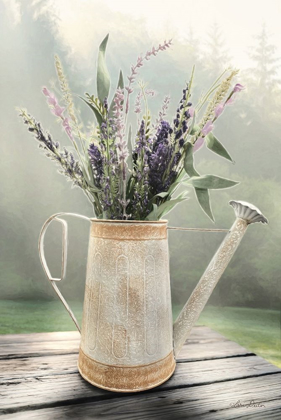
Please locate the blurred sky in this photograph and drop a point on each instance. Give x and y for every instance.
(239, 21)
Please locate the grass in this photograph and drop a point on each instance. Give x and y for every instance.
(256, 329)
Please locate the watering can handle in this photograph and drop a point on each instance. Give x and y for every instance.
(53, 281)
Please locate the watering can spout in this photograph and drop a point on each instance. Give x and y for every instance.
(245, 214)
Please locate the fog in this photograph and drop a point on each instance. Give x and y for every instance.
(31, 189)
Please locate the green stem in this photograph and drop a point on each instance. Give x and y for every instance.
(211, 89)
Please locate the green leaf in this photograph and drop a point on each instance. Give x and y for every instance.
(192, 126)
(95, 111)
(194, 130)
(153, 214)
(130, 150)
(188, 160)
(103, 78)
(215, 146)
(175, 184)
(172, 188)
(211, 182)
(162, 194)
(203, 198)
(169, 205)
(120, 85)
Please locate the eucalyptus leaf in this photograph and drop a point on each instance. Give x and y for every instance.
(103, 78)
(188, 160)
(162, 194)
(203, 198)
(175, 184)
(192, 126)
(153, 214)
(194, 130)
(95, 111)
(171, 189)
(211, 182)
(169, 205)
(215, 146)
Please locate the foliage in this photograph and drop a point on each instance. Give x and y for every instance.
(31, 190)
(126, 182)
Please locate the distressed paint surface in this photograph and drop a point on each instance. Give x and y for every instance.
(200, 295)
(127, 318)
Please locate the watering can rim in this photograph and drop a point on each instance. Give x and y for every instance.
(148, 222)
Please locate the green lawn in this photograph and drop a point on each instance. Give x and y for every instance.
(256, 329)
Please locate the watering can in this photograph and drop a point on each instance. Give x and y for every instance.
(128, 340)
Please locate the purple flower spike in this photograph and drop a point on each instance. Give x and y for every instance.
(52, 100)
(191, 112)
(207, 128)
(46, 92)
(219, 110)
(238, 87)
(67, 128)
(199, 143)
(231, 100)
(58, 111)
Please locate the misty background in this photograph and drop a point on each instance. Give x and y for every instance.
(31, 189)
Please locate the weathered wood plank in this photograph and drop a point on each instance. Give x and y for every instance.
(38, 366)
(217, 401)
(211, 350)
(67, 363)
(41, 337)
(34, 349)
(61, 389)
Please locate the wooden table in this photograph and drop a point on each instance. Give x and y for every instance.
(215, 379)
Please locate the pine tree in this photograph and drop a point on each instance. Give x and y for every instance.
(216, 58)
(263, 77)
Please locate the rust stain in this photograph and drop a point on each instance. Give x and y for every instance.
(127, 343)
(130, 231)
(126, 378)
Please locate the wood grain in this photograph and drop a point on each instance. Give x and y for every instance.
(14, 395)
(39, 380)
(206, 402)
(67, 363)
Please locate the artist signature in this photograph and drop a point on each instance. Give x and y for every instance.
(252, 403)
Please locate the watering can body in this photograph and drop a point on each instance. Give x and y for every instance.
(127, 330)
(128, 340)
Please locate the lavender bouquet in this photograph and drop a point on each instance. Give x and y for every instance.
(128, 175)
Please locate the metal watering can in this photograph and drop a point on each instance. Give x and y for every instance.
(128, 340)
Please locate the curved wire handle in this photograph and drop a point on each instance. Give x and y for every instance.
(53, 280)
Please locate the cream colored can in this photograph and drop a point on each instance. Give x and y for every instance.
(128, 340)
(127, 330)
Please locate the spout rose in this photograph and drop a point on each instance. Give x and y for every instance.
(248, 212)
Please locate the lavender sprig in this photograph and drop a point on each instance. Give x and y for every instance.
(69, 166)
(141, 154)
(140, 61)
(163, 111)
(121, 145)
